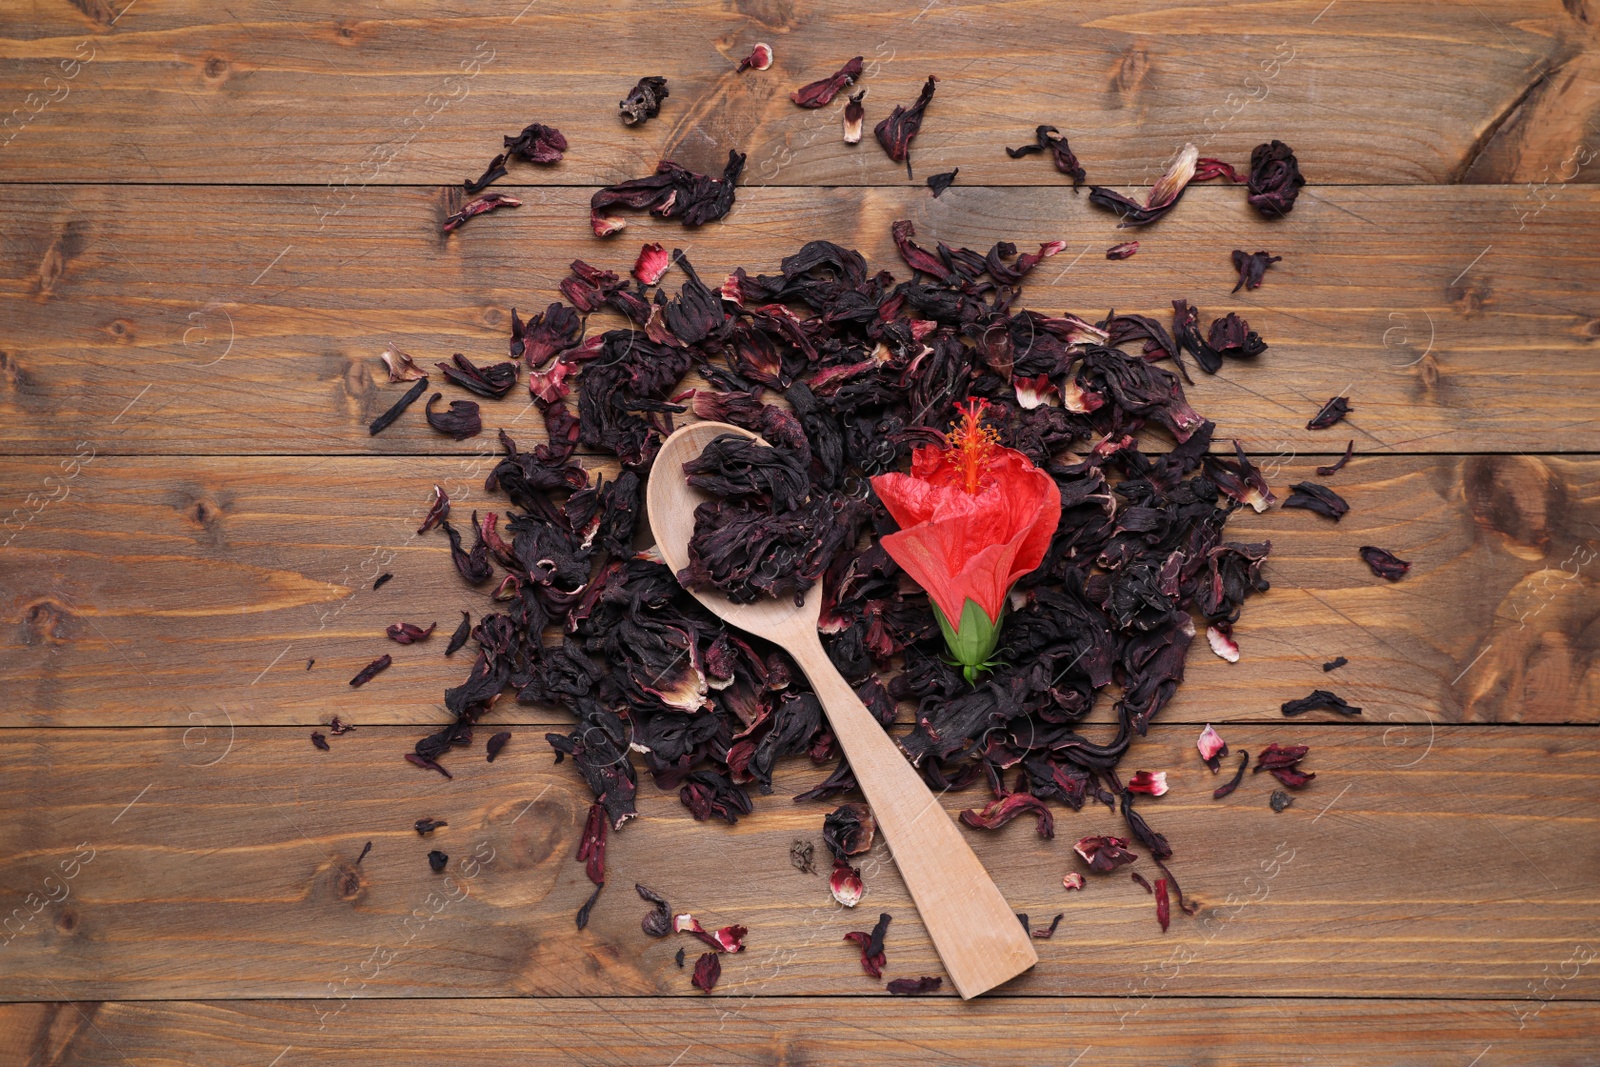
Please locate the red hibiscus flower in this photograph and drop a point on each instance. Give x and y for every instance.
(974, 517)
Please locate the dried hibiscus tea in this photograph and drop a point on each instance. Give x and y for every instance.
(1319, 700)
(652, 263)
(491, 174)
(670, 193)
(1384, 564)
(537, 143)
(1142, 881)
(1123, 250)
(760, 58)
(1103, 853)
(478, 206)
(1280, 800)
(493, 381)
(873, 957)
(914, 987)
(402, 368)
(1334, 664)
(940, 182)
(370, 671)
(1002, 810)
(1333, 411)
(657, 922)
(1313, 497)
(592, 845)
(320, 740)
(337, 726)
(438, 510)
(1220, 638)
(460, 422)
(459, 638)
(1072, 880)
(409, 633)
(582, 918)
(853, 114)
(1164, 194)
(382, 422)
(845, 884)
(847, 831)
(1049, 139)
(727, 939)
(707, 969)
(1045, 933)
(1145, 782)
(643, 100)
(1252, 267)
(437, 860)
(1283, 763)
(1334, 468)
(1212, 748)
(1275, 179)
(428, 826)
(497, 743)
(1238, 776)
(679, 958)
(821, 93)
(1232, 336)
(896, 132)
(1163, 907)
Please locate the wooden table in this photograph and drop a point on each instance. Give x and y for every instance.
(216, 217)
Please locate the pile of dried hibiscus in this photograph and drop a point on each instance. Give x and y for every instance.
(875, 369)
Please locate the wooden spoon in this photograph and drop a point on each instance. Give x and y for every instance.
(976, 933)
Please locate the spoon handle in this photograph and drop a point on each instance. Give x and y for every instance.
(975, 932)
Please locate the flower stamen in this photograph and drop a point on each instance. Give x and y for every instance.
(973, 443)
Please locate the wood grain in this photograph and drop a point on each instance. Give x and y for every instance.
(795, 1031)
(210, 320)
(1452, 867)
(177, 591)
(291, 91)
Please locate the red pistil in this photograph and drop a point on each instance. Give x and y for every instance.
(973, 443)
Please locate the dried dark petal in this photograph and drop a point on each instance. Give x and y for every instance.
(473, 566)
(1283, 763)
(371, 670)
(707, 969)
(1252, 266)
(582, 917)
(1335, 409)
(493, 381)
(428, 826)
(896, 132)
(760, 58)
(320, 740)
(1317, 498)
(643, 100)
(337, 726)
(537, 143)
(459, 638)
(1280, 800)
(670, 193)
(592, 846)
(940, 182)
(478, 206)
(873, 957)
(364, 850)
(402, 368)
(1103, 853)
(657, 922)
(496, 743)
(1156, 843)
(821, 93)
(853, 114)
(377, 583)
(1002, 810)
(491, 174)
(1142, 881)
(1275, 179)
(1123, 250)
(679, 958)
(1238, 776)
(437, 860)
(1334, 664)
(1045, 933)
(438, 510)
(1164, 194)
(1320, 699)
(1334, 468)
(848, 830)
(381, 423)
(427, 764)
(1163, 906)
(409, 633)
(914, 987)
(1232, 336)
(1384, 564)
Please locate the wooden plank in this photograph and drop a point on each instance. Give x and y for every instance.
(1371, 92)
(210, 320)
(201, 869)
(1433, 1033)
(174, 591)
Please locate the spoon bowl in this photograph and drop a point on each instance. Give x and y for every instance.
(973, 928)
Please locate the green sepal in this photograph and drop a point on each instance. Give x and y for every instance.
(972, 644)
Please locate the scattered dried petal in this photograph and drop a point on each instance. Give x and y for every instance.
(1319, 700)
(337, 726)
(800, 856)
(437, 860)
(1104, 853)
(582, 918)
(670, 193)
(1334, 664)
(592, 845)
(760, 58)
(1049, 139)
(496, 743)
(428, 826)
(896, 132)
(1145, 782)
(537, 143)
(382, 422)
(1072, 880)
(847, 831)
(1045, 933)
(1384, 564)
(1238, 776)
(1275, 179)
(643, 100)
(657, 922)
(1334, 468)
(402, 368)
(367, 673)
(821, 93)
(438, 510)
(707, 969)
(320, 740)
(1317, 498)
(459, 638)
(914, 987)
(1212, 747)
(1002, 810)
(460, 422)
(853, 114)
(1163, 905)
(845, 884)
(1280, 800)
(477, 206)
(409, 633)
(652, 263)
(1334, 410)
(1123, 250)
(1283, 763)
(940, 182)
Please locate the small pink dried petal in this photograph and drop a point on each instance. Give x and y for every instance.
(686, 923)
(845, 884)
(1074, 880)
(550, 385)
(1123, 250)
(478, 206)
(1146, 782)
(853, 113)
(760, 58)
(652, 263)
(402, 368)
(1104, 853)
(1037, 392)
(1210, 744)
(1079, 400)
(1223, 644)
